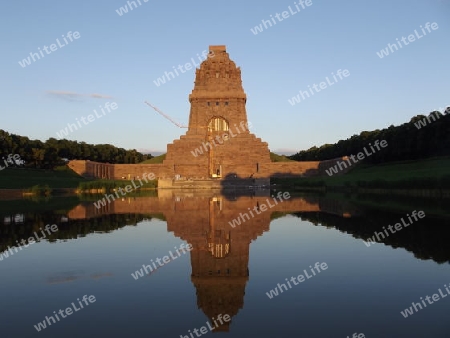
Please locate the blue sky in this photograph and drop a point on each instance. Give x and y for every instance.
(117, 58)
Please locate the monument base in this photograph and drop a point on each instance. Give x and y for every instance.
(215, 183)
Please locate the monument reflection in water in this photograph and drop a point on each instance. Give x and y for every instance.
(363, 286)
(220, 254)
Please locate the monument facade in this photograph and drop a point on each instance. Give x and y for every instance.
(218, 142)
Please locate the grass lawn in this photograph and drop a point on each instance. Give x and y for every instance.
(19, 178)
(62, 177)
(391, 172)
(429, 168)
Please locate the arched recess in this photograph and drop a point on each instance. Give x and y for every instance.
(217, 124)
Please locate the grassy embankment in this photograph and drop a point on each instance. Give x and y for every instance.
(47, 181)
(62, 177)
(433, 173)
(155, 160)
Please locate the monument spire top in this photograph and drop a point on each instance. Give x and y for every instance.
(218, 48)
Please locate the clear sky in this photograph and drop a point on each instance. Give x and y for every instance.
(117, 58)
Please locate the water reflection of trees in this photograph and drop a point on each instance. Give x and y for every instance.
(426, 239)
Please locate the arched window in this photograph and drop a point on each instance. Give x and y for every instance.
(219, 243)
(218, 124)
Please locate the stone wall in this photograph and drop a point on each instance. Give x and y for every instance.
(92, 169)
(169, 169)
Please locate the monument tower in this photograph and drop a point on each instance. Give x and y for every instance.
(218, 149)
(218, 142)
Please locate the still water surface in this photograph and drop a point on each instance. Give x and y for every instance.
(229, 271)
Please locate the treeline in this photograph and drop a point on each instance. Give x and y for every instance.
(53, 152)
(422, 137)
